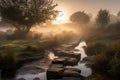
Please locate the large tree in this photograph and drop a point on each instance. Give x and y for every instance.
(103, 18)
(80, 17)
(118, 14)
(23, 14)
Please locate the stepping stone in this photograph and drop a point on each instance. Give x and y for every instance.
(70, 78)
(54, 73)
(36, 78)
(59, 60)
(21, 79)
(71, 62)
(69, 72)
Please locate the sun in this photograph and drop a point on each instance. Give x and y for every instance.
(60, 19)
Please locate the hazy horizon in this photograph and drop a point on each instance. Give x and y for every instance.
(89, 6)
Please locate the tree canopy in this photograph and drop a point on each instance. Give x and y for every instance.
(23, 14)
(103, 17)
(80, 17)
(118, 14)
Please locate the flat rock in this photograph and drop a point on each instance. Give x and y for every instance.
(54, 72)
(21, 79)
(70, 78)
(71, 62)
(56, 66)
(66, 61)
(36, 78)
(59, 60)
(67, 54)
(69, 72)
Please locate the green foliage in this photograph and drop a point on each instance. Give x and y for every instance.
(115, 61)
(103, 18)
(118, 14)
(23, 14)
(115, 26)
(8, 60)
(95, 48)
(107, 63)
(96, 77)
(100, 63)
(115, 67)
(80, 18)
(8, 57)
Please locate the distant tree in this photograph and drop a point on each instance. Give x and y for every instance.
(103, 18)
(80, 17)
(118, 14)
(23, 14)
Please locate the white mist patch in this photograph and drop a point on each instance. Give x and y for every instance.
(80, 49)
(52, 56)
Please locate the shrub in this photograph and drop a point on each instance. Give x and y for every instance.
(107, 63)
(8, 62)
(95, 48)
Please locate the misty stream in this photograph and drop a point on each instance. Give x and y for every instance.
(44, 64)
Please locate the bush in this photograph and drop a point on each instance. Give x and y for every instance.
(107, 63)
(115, 67)
(95, 48)
(8, 62)
(96, 77)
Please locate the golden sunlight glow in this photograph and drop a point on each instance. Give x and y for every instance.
(55, 29)
(61, 19)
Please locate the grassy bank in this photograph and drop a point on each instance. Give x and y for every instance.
(103, 45)
(14, 54)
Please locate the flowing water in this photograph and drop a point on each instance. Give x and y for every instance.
(85, 71)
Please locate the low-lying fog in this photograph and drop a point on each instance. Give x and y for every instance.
(48, 30)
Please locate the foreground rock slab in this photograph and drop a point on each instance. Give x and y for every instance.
(69, 72)
(66, 61)
(55, 72)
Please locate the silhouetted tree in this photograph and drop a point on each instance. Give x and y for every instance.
(103, 18)
(118, 14)
(80, 17)
(23, 14)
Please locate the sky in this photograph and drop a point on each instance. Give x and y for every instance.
(89, 6)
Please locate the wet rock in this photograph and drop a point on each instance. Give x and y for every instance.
(55, 79)
(71, 72)
(59, 60)
(67, 54)
(89, 64)
(66, 61)
(87, 59)
(70, 78)
(71, 62)
(36, 78)
(56, 66)
(55, 72)
(21, 79)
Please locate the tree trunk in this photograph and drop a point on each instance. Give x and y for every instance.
(20, 32)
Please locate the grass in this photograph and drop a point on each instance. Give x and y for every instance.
(107, 63)
(19, 52)
(106, 36)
